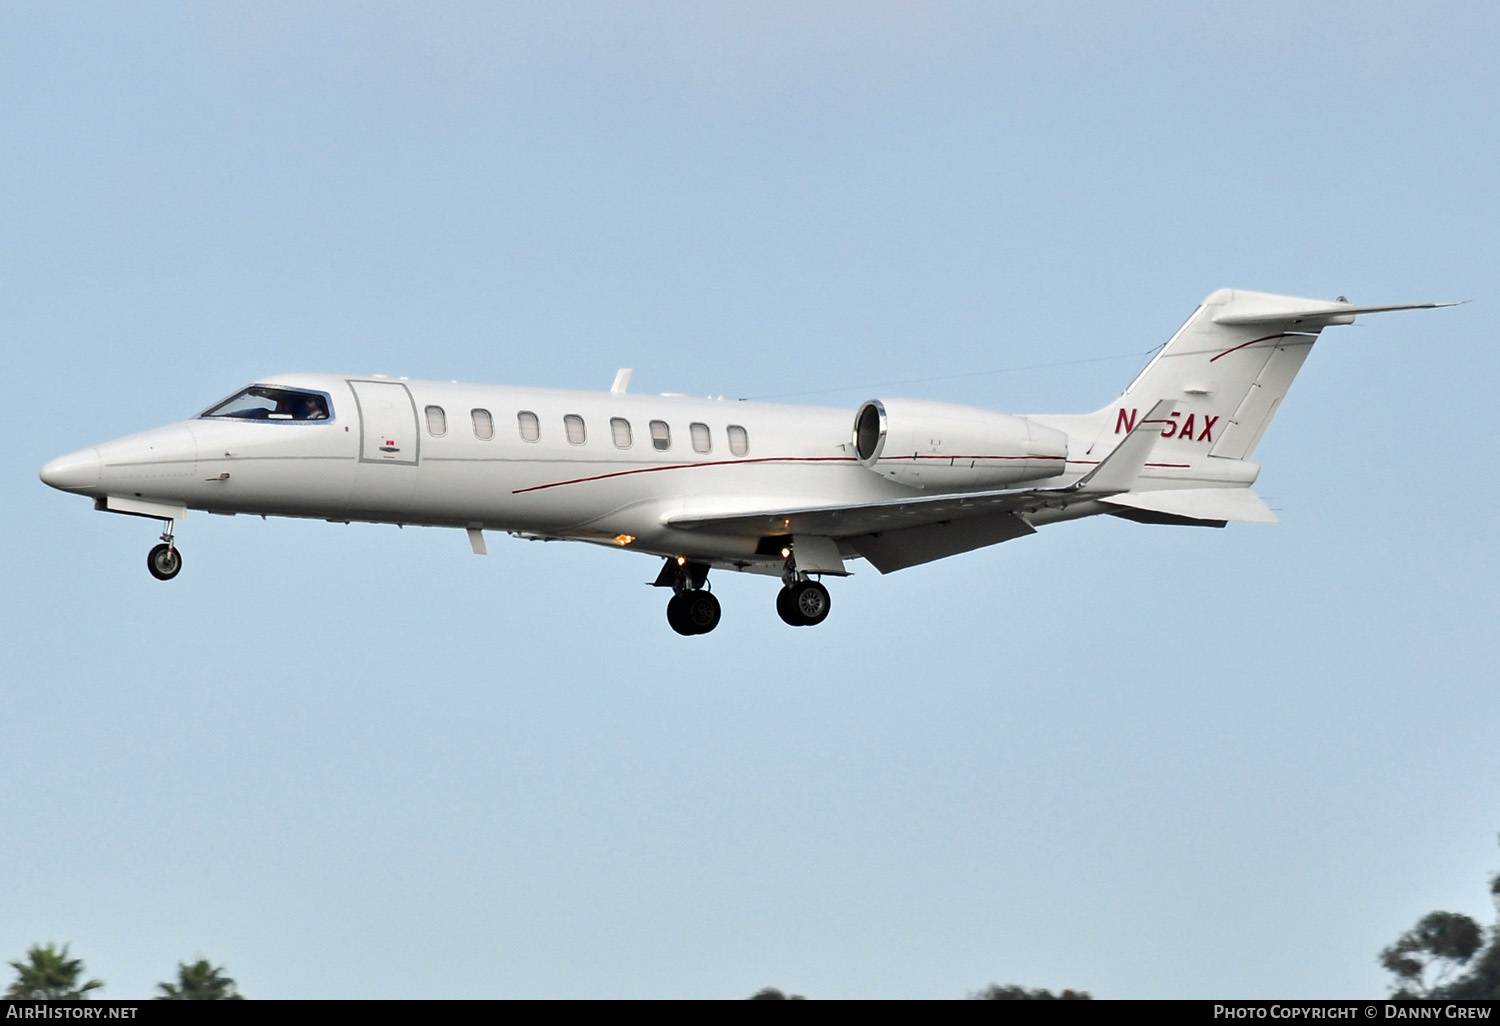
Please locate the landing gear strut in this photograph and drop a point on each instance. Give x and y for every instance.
(802, 602)
(164, 561)
(692, 608)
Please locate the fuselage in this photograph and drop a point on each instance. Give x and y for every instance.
(593, 466)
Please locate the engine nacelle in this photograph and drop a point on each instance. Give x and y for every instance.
(941, 445)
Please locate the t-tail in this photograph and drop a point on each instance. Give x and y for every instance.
(1225, 373)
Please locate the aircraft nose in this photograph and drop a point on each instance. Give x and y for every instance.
(75, 472)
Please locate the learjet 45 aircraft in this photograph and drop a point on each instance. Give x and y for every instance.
(793, 492)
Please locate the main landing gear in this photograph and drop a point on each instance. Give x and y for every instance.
(802, 602)
(693, 612)
(692, 608)
(164, 561)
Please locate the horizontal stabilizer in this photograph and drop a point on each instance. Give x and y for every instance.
(1212, 504)
(1303, 313)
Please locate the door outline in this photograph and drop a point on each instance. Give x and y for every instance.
(364, 420)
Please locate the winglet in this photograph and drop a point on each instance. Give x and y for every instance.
(1118, 471)
(622, 381)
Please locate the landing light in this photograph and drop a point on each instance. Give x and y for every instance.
(682, 561)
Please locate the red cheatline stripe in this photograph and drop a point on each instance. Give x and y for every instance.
(686, 466)
(1264, 338)
(788, 459)
(915, 456)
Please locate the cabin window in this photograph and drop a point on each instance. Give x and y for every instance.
(619, 427)
(573, 423)
(437, 422)
(661, 435)
(262, 402)
(484, 424)
(531, 428)
(739, 441)
(702, 442)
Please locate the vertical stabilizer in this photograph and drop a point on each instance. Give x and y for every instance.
(1226, 372)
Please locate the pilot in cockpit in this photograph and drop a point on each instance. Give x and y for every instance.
(309, 407)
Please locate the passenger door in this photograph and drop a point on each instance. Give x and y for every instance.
(388, 422)
(389, 447)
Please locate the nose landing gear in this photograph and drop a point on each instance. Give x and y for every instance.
(164, 561)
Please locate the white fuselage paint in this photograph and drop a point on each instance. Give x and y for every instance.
(596, 490)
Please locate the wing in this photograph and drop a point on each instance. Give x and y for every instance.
(845, 521)
(897, 533)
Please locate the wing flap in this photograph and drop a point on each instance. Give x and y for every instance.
(845, 521)
(890, 551)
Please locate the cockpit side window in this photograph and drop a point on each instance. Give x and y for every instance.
(265, 402)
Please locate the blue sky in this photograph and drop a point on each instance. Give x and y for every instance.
(1145, 762)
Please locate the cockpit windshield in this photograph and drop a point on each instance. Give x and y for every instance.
(266, 402)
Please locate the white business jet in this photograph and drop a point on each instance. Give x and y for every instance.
(793, 492)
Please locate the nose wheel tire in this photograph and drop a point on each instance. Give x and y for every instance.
(164, 562)
(804, 604)
(693, 612)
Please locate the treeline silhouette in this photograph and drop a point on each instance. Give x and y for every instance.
(1446, 956)
(48, 974)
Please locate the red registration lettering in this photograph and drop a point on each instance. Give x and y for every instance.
(1191, 429)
